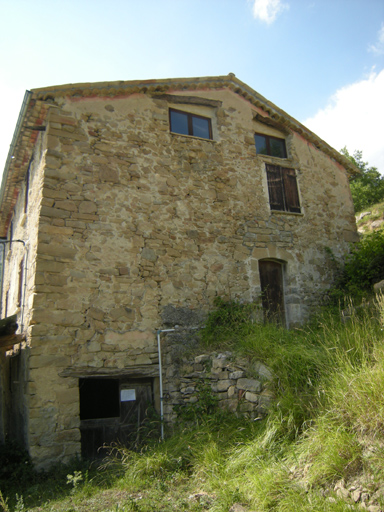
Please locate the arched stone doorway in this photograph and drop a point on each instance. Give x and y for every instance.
(272, 290)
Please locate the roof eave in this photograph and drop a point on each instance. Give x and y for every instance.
(106, 89)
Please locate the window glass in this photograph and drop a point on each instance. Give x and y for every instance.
(99, 398)
(179, 122)
(272, 146)
(186, 123)
(261, 145)
(200, 127)
(277, 147)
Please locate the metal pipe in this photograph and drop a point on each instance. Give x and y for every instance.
(161, 371)
(25, 288)
(161, 380)
(2, 277)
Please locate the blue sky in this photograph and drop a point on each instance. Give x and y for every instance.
(322, 61)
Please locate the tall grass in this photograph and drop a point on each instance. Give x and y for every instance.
(329, 384)
(326, 424)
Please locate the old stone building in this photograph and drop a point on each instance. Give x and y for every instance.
(126, 208)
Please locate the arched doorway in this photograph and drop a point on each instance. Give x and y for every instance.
(272, 290)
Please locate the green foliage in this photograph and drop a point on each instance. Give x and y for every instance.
(206, 404)
(149, 430)
(74, 479)
(367, 188)
(333, 450)
(15, 463)
(326, 424)
(3, 503)
(25, 487)
(364, 266)
(20, 507)
(291, 355)
(230, 318)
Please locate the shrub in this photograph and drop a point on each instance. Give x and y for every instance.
(15, 463)
(364, 265)
(367, 188)
(206, 405)
(228, 319)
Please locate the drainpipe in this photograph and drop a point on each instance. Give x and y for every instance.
(160, 331)
(2, 242)
(25, 288)
(161, 380)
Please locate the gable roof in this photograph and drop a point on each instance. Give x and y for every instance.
(37, 102)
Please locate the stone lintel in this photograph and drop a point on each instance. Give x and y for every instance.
(131, 371)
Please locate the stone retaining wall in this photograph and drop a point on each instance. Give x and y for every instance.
(240, 386)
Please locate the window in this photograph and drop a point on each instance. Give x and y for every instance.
(185, 123)
(272, 146)
(99, 398)
(282, 188)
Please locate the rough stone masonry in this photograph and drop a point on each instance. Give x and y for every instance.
(122, 217)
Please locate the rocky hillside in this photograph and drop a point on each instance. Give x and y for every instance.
(370, 219)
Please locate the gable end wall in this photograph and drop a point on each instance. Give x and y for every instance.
(135, 219)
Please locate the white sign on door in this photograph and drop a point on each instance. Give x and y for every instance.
(128, 395)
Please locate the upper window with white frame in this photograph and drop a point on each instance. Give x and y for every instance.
(186, 123)
(269, 145)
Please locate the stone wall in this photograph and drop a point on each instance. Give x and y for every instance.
(18, 294)
(239, 386)
(129, 219)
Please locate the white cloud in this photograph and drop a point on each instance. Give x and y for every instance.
(354, 118)
(267, 10)
(378, 47)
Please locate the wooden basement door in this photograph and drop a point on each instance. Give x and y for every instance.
(112, 412)
(272, 291)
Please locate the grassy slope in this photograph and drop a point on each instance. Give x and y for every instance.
(369, 216)
(327, 424)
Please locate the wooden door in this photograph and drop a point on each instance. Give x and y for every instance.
(272, 291)
(112, 411)
(135, 398)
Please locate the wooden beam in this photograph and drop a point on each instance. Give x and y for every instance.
(8, 325)
(131, 371)
(7, 342)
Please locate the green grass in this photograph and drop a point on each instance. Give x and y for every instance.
(376, 213)
(327, 424)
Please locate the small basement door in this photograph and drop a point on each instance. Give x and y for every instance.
(272, 292)
(112, 411)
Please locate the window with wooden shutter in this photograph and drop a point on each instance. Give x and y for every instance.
(282, 189)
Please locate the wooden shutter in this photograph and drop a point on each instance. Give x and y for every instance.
(275, 187)
(291, 193)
